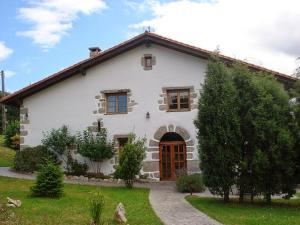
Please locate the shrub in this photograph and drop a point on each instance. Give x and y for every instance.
(13, 128)
(29, 159)
(95, 147)
(76, 168)
(131, 158)
(190, 183)
(15, 142)
(59, 140)
(96, 209)
(49, 182)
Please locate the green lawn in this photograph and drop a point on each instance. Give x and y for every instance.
(281, 212)
(6, 154)
(73, 207)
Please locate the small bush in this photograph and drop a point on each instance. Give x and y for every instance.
(13, 128)
(96, 209)
(30, 159)
(131, 158)
(95, 147)
(49, 182)
(15, 142)
(59, 140)
(76, 168)
(97, 175)
(190, 183)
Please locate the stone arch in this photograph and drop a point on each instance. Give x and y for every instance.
(151, 165)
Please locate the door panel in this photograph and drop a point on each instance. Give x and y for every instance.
(172, 159)
(166, 161)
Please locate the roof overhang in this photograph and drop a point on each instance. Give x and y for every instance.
(146, 38)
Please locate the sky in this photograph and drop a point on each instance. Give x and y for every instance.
(41, 37)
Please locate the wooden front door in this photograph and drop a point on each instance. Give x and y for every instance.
(172, 159)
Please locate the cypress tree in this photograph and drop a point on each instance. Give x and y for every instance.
(218, 130)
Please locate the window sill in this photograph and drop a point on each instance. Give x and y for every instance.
(178, 110)
(116, 113)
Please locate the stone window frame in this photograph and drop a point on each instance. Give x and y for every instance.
(163, 100)
(117, 146)
(144, 61)
(102, 102)
(116, 95)
(168, 91)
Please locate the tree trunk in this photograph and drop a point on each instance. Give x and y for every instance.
(226, 195)
(241, 198)
(268, 197)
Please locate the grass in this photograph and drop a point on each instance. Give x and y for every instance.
(6, 154)
(73, 208)
(281, 212)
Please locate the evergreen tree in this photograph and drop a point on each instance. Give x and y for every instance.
(218, 130)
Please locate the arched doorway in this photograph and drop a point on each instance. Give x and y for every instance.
(172, 155)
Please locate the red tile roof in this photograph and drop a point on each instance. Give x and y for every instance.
(145, 38)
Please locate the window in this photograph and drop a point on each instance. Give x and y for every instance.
(116, 103)
(122, 142)
(178, 100)
(148, 61)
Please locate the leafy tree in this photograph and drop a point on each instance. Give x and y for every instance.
(273, 166)
(295, 105)
(95, 147)
(59, 140)
(131, 158)
(218, 130)
(12, 112)
(12, 129)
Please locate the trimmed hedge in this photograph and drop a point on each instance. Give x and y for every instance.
(190, 183)
(30, 159)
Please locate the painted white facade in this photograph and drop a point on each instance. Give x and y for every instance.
(72, 102)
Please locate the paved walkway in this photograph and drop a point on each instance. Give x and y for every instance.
(168, 204)
(173, 209)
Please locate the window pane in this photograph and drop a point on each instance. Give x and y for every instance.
(122, 100)
(184, 99)
(172, 100)
(111, 104)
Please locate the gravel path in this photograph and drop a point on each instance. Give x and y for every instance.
(168, 204)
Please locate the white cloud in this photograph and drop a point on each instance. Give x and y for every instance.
(5, 52)
(266, 32)
(51, 19)
(9, 73)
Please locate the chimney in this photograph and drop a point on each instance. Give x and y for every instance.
(94, 51)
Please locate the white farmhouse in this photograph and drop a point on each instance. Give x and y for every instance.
(148, 85)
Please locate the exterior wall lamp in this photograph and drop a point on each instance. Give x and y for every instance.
(147, 115)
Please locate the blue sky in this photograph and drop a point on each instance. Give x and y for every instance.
(40, 37)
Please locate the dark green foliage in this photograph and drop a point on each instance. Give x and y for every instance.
(95, 147)
(30, 159)
(76, 168)
(59, 140)
(295, 105)
(218, 130)
(49, 182)
(13, 128)
(190, 183)
(97, 204)
(131, 158)
(250, 112)
(12, 113)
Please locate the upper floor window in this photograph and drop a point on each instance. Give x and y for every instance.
(178, 100)
(148, 61)
(116, 103)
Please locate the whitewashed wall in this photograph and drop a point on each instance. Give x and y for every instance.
(72, 102)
